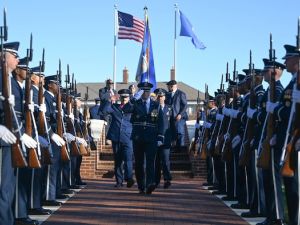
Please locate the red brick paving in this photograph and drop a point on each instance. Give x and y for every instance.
(184, 203)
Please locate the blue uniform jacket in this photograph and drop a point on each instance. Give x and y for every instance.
(164, 126)
(50, 102)
(121, 127)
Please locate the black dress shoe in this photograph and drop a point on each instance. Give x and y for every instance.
(212, 188)
(67, 191)
(250, 214)
(74, 186)
(62, 196)
(80, 183)
(207, 184)
(228, 198)
(52, 203)
(167, 184)
(277, 222)
(218, 193)
(39, 211)
(130, 183)
(118, 185)
(150, 189)
(26, 221)
(265, 222)
(239, 206)
(141, 191)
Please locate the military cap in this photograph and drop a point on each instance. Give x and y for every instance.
(160, 92)
(211, 98)
(131, 86)
(269, 64)
(11, 47)
(109, 81)
(124, 92)
(51, 79)
(231, 82)
(257, 72)
(172, 82)
(290, 51)
(36, 71)
(146, 86)
(77, 96)
(23, 63)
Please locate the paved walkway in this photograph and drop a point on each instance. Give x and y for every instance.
(184, 203)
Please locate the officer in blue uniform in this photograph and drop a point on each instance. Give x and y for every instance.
(52, 171)
(120, 134)
(272, 187)
(95, 109)
(36, 178)
(162, 161)
(177, 99)
(144, 136)
(282, 113)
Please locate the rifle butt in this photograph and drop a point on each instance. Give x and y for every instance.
(74, 149)
(244, 159)
(65, 157)
(227, 154)
(17, 157)
(83, 150)
(263, 160)
(287, 169)
(203, 152)
(33, 159)
(46, 157)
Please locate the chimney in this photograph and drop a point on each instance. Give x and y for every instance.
(172, 74)
(125, 76)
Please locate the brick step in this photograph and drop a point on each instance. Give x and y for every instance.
(182, 174)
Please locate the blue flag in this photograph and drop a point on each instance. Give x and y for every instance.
(188, 31)
(145, 71)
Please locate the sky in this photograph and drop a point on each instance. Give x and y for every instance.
(81, 34)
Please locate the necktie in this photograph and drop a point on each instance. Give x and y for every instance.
(145, 106)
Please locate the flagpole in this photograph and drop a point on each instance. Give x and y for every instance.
(175, 37)
(146, 26)
(115, 47)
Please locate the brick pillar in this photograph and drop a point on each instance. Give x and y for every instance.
(125, 75)
(173, 77)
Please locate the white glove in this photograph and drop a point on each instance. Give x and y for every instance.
(197, 125)
(28, 141)
(69, 137)
(71, 116)
(7, 136)
(270, 106)
(42, 107)
(43, 142)
(219, 117)
(273, 140)
(57, 140)
(226, 111)
(138, 94)
(235, 141)
(159, 143)
(201, 122)
(226, 136)
(11, 100)
(250, 112)
(207, 125)
(234, 113)
(296, 96)
(31, 107)
(81, 141)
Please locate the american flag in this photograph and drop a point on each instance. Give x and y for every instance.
(130, 27)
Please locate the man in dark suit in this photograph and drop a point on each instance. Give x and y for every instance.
(95, 109)
(162, 161)
(120, 134)
(177, 99)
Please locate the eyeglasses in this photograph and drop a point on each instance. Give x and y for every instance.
(14, 54)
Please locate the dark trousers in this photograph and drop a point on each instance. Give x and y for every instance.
(52, 174)
(180, 133)
(123, 160)
(35, 195)
(77, 176)
(7, 186)
(209, 170)
(219, 169)
(162, 162)
(142, 150)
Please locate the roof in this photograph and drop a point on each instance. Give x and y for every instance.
(191, 93)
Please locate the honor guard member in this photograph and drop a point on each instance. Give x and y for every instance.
(162, 161)
(119, 133)
(254, 175)
(9, 53)
(23, 174)
(52, 171)
(36, 178)
(144, 135)
(282, 113)
(95, 109)
(177, 99)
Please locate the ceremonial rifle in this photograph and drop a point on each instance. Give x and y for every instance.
(86, 119)
(291, 150)
(65, 157)
(196, 135)
(205, 131)
(245, 149)
(17, 153)
(264, 150)
(34, 155)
